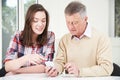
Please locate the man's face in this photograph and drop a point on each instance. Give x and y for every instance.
(76, 24)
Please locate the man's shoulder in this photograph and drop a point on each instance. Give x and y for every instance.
(66, 37)
(98, 34)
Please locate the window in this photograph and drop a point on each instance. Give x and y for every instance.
(11, 15)
(117, 18)
(9, 22)
(27, 3)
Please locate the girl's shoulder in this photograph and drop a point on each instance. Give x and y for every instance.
(17, 34)
(51, 33)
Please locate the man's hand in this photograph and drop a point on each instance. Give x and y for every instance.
(51, 71)
(72, 69)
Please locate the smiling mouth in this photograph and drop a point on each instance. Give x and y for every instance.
(39, 29)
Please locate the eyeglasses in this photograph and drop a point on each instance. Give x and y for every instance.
(72, 23)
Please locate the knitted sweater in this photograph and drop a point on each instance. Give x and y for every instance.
(91, 55)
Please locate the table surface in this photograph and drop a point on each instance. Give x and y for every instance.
(60, 77)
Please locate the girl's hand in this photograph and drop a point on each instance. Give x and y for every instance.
(10, 73)
(34, 59)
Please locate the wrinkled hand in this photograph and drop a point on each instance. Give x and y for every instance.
(51, 71)
(72, 69)
(34, 59)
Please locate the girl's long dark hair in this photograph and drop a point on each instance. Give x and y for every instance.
(26, 36)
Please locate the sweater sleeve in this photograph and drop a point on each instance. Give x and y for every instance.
(104, 65)
(60, 58)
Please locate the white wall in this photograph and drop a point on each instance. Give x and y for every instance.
(99, 16)
(97, 10)
(116, 49)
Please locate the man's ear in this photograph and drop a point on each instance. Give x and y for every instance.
(86, 18)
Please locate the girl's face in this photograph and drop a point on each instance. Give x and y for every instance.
(39, 22)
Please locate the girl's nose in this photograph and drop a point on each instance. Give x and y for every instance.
(39, 23)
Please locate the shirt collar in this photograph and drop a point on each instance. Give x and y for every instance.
(87, 33)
